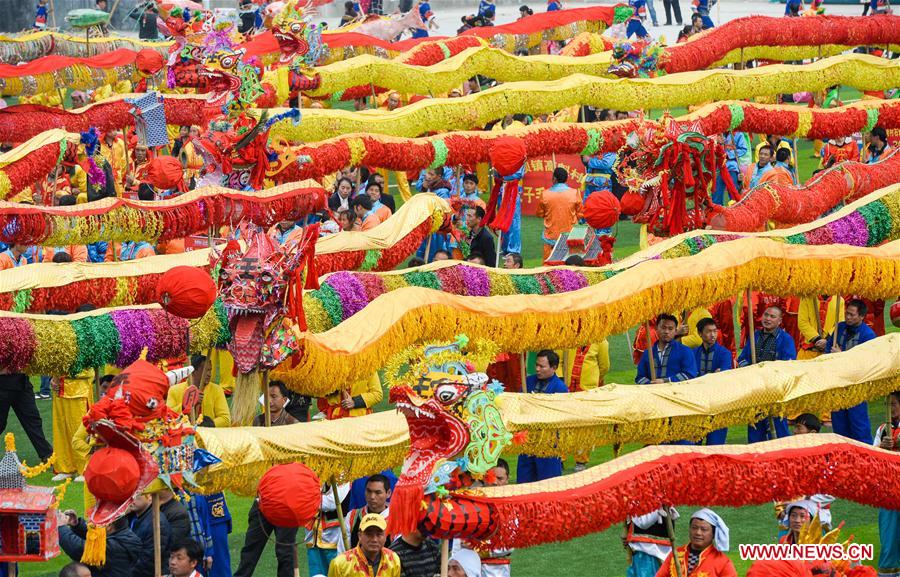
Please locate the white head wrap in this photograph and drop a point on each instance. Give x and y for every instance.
(810, 506)
(720, 537)
(469, 560)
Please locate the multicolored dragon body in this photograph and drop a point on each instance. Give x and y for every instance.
(456, 436)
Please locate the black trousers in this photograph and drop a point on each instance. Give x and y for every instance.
(17, 394)
(258, 532)
(672, 6)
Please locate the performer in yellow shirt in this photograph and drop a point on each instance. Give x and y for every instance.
(71, 399)
(356, 401)
(112, 147)
(213, 404)
(812, 328)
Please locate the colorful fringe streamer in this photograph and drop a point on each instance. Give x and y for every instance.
(122, 219)
(714, 48)
(470, 148)
(567, 507)
(55, 345)
(41, 287)
(412, 315)
(789, 204)
(35, 158)
(566, 424)
(690, 88)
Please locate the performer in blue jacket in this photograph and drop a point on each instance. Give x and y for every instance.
(772, 344)
(673, 361)
(712, 357)
(853, 422)
(544, 381)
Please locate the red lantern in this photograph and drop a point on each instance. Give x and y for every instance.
(149, 62)
(631, 203)
(507, 155)
(602, 209)
(290, 495)
(112, 474)
(895, 314)
(165, 172)
(186, 292)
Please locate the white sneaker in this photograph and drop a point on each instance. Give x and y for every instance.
(60, 477)
(79, 479)
(579, 467)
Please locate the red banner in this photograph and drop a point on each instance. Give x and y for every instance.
(539, 177)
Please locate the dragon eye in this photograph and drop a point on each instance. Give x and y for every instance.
(446, 394)
(296, 27)
(266, 277)
(227, 61)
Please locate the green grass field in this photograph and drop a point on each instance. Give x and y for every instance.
(598, 554)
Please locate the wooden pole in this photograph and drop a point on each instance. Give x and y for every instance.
(157, 539)
(650, 357)
(837, 316)
(267, 411)
(670, 530)
(524, 377)
(113, 10)
(445, 555)
(11, 566)
(428, 248)
(818, 318)
(751, 336)
(53, 22)
(339, 509)
(499, 249)
(297, 559)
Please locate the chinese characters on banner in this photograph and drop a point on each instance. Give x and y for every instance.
(539, 177)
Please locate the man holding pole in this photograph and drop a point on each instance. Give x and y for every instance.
(852, 422)
(370, 557)
(322, 539)
(672, 361)
(544, 381)
(769, 343)
(258, 527)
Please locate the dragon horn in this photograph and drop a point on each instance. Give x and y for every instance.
(178, 375)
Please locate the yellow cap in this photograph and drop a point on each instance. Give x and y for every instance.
(372, 520)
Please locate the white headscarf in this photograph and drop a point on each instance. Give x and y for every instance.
(469, 560)
(720, 536)
(810, 506)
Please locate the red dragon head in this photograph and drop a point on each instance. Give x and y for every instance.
(673, 170)
(253, 284)
(455, 427)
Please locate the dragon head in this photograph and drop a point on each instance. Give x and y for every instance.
(299, 40)
(253, 284)
(454, 423)
(672, 167)
(632, 59)
(221, 69)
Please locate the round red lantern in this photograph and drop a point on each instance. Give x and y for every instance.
(602, 209)
(507, 155)
(165, 172)
(631, 203)
(148, 62)
(895, 314)
(186, 292)
(112, 474)
(290, 495)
